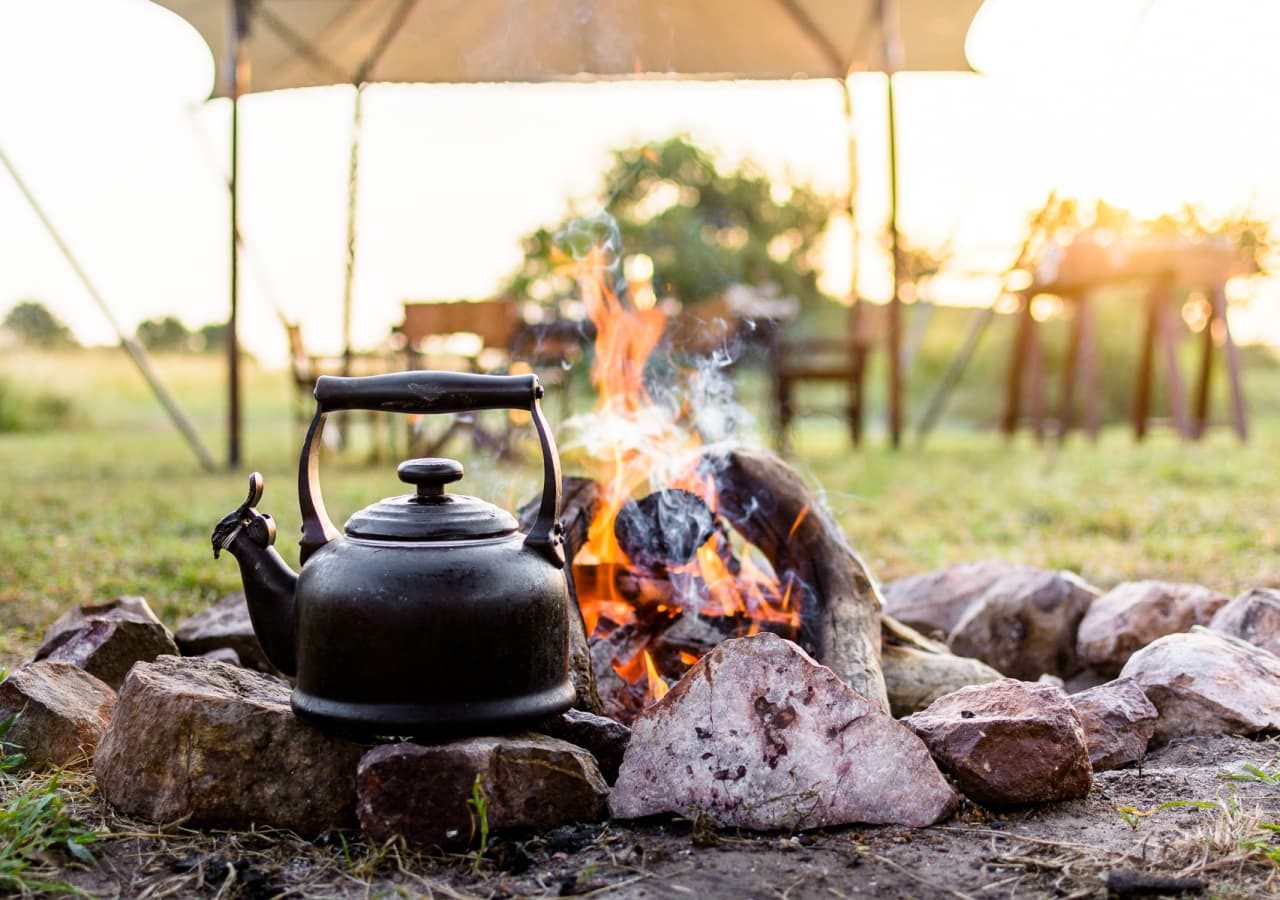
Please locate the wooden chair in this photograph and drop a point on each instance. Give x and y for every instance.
(306, 367)
(465, 336)
(841, 361)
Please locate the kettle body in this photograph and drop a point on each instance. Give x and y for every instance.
(431, 614)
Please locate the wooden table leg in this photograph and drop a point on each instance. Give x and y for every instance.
(1146, 356)
(1173, 375)
(1201, 421)
(1017, 361)
(1238, 413)
(1089, 367)
(1070, 367)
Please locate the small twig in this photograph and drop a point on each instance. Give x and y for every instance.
(921, 879)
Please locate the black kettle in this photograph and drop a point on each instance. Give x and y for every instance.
(432, 613)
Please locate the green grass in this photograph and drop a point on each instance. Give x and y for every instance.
(35, 827)
(117, 504)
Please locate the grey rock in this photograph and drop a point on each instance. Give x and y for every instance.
(1024, 624)
(602, 737)
(933, 602)
(1203, 682)
(758, 735)
(222, 655)
(1254, 616)
(1008, 743)
(213, 744)
(106, 640)
(225, 625)
(1134, 614)
(1118, 722)
(61, 713)
(125, 606)
(422, 793)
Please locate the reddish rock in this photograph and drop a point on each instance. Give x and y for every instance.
(1203, 682)
(1118, 722)
(600, 736)
(106, 640)
(1134, 614)
(1008, 742)
(222, 655)
(529, 781)
(122, 607)
(213, 744)
(758, 735)
(1254, 616)
(62, 712)
(1024, 625)
(933, 602)
(223, 626)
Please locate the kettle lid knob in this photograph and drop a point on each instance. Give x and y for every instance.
(430, 474)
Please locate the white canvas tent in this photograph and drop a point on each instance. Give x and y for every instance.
(303, 43)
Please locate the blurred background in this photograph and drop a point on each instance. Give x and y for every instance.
(1080, 316)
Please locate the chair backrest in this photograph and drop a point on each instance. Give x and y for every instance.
(495, 321)
(299, 360)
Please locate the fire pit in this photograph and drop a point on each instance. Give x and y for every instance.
(678, 542)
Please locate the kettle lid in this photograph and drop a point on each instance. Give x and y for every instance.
(431, 514)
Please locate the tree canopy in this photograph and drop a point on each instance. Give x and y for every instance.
(32, 323)
(704, 228)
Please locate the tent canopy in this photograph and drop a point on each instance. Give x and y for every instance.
(305, 43)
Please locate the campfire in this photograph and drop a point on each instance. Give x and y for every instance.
(661, 572)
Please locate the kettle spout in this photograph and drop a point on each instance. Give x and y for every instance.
(269, 583)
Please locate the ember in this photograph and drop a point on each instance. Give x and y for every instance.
(661, 578)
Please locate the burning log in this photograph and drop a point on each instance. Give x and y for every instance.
(665, 529)
(767, 502)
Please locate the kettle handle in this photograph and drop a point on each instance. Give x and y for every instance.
(422, 392)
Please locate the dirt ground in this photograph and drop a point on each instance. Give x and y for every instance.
(1060, 850)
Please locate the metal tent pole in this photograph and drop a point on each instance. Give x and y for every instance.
(892, 63)
(237, 77)
(132, 347)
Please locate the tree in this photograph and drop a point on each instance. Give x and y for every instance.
(164, 334)
(34, 324)
(704, 229)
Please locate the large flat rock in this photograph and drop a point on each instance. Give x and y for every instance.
(1203, 682)
(212, 744)
(223, 626)
(1254, 616)
(933, 602)
(430, 795)
(758, 735)
(1024, 625)
(61, 713)
(1132, 615)
(107, 639)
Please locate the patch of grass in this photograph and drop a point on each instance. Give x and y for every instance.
(25, 409)
(35, 827)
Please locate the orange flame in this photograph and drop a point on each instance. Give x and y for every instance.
(657, 687)
(641, 440)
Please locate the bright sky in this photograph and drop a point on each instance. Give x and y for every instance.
(1147, 104)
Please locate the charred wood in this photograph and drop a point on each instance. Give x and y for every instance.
(767, 502)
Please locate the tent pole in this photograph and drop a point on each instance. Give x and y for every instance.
(892, 51)
(851, 150)
(130, 346)
(237, 74)
(895, 300)
(353, 187)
